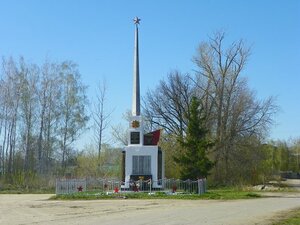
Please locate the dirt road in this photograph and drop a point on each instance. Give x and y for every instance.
(36, 209)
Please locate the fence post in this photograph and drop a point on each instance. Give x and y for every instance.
(86, 184)
(56, 187)
(201, 186)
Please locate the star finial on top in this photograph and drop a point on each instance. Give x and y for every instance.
(136, 20)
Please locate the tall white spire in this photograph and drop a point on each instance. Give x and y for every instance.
(136, 106)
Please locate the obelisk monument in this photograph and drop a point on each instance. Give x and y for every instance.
(142, 158)
(136, 107)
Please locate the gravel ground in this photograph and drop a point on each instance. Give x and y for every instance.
(293, 183)
(37, 209)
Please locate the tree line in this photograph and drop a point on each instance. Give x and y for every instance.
(43, 111)
(234, 118)
(214, 124)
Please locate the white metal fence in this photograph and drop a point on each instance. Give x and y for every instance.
(70, 186)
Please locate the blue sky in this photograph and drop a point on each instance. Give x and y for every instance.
(99, 35)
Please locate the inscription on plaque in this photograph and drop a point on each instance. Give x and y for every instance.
(135, 137)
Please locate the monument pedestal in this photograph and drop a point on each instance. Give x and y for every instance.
(143, 163)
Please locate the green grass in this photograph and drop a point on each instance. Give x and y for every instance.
(290, 218)
(224, 194)
(230, 194)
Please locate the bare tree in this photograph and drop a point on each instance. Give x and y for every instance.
(29, 76)
(100, 115)
(120, 132)
(48, 99)
(232, 112)
(42, 112)
(73, 103)
(43, 93)
(10, 98)
(233, 109)
(167, 106)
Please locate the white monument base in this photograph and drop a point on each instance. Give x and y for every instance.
(143, 162)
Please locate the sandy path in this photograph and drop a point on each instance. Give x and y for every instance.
(36, 209)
